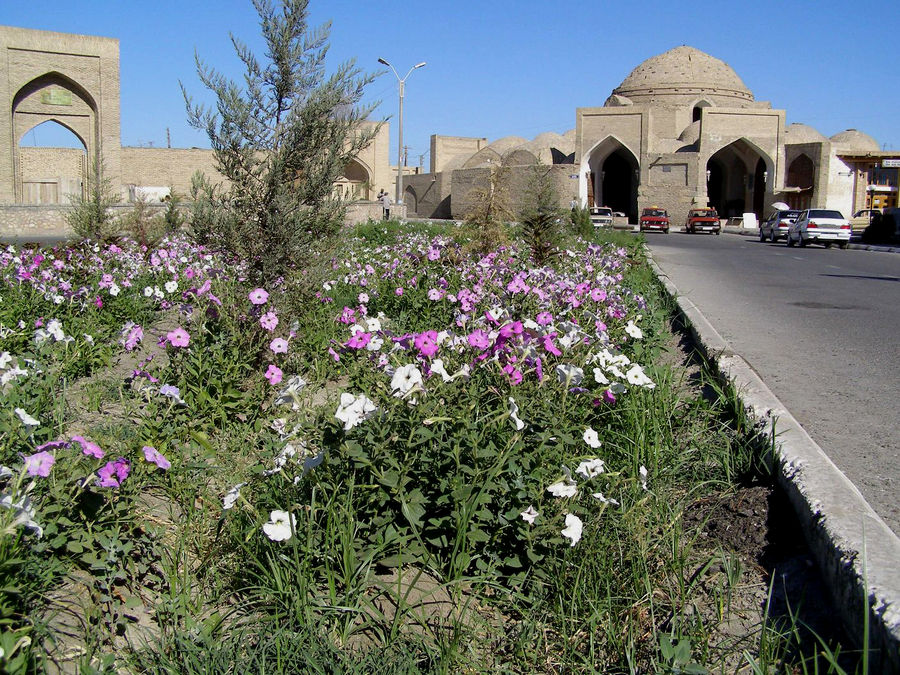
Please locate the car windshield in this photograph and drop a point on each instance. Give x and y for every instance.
(704, 213)
(825, 213)
(789, 214)
(602, 212)
(654, 212)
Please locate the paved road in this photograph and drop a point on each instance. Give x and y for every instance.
(822, 328)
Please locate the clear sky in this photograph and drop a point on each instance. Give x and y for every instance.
(504, 67)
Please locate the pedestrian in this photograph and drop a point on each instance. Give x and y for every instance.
(385, 205)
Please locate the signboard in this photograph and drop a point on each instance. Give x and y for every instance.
(573, 175)
(891, 163)
(56, 97)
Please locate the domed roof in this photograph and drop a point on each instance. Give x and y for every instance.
(802, 133)
(507, 143)
(691, 133)
(683, 71)
(854, 141)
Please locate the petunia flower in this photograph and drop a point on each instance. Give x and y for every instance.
(353, 410)
(280, 526)
(643, 476)
(592, 438)
(153, 455)
(279, 346)
(638, 378)
(633, 330)
(565, 487)
(89, 448)
(39, 464)
(573, 529)
(231, 497)
(514, 414)
(178, 337)
(604, 500)
(590, 468)
(112, 474)
(26, 419)
(529, 515)
(269, 321)
(273, 374)
(258, 296)
(406, 380)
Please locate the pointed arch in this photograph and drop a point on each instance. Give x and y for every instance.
(609, 176)
(738, 177)
(697, 109)
(56, 120)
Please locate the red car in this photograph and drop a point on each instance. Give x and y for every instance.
(654, 218)
(703, 220)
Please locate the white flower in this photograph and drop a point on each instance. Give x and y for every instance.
(157, 293)
(171, 286)
(88, 338)
(564, 488)
(287, 452)
(373, 324)
(23, 514)
(58, 299)
(529, 515)
(353, 410)
(599, 496)
(643, 472)
(5, 360)
(573, 528)
(514, 414)
(591, 438)
(114, 289)
(280, 525)
(231, 497)
(148, 291)
(590, 468)
(291, 393)
(617, 388)
(638, 378)
(54, 327)
(569, 375)
(599, 377)
(27, 420)
(633, 330)
(406, 379)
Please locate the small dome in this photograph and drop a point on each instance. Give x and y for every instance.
(691, 133)
(852, 140)
(802, 133)
(503, 145)
(680, 73)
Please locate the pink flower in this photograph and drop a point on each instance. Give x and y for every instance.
(359, 340)
(273, 374)
(598, 295)
(279, 346)
(363, 298)
(426, 343)
(269, 321)
(334, 354)
(609, 397)
(435, 294)
(178, 337)
(479, 339)
(89, 448)
(98, 302)
(112, 474)
(510, 329)
(398, 290)
(204, 288)
(258, 296)
(135, 335)
(544, 319)
(549, 346)
(153, 455)
(39, 464)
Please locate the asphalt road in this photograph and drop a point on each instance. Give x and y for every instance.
(822, 328)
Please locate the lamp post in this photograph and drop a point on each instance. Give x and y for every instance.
(402, 82)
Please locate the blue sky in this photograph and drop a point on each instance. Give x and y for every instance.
(509, 68)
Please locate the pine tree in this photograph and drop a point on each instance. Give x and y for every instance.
(281, 138)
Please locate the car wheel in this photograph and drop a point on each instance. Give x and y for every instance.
(827, 244)
(718, 231)
(842, 246)
(788, 240)
(801, 241)
(762, 236)
(774, 235)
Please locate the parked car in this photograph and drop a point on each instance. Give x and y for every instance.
(778, 223)
(654, 218)
(862, 219)
(601, 216)
(821, 226)
(703, 220)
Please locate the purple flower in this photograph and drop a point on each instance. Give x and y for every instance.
(479, 339)
(89, 448)
(153, 455)
(178, 337)
(135, 335)
(39, 464)
(426, 343)
(359, 340)
(258, 296)
(273, 374)
(279, 346)
(269, 321)
(112, 474)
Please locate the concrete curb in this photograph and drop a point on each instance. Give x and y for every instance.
(857, 553)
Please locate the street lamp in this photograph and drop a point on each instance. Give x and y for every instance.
(402, 82)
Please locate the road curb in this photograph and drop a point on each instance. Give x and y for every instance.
(857, 553)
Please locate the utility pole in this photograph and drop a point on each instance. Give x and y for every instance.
(168, 138)
(402, 82)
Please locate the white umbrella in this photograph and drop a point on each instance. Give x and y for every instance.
(781, 206)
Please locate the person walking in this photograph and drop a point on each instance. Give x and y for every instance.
(385, 205)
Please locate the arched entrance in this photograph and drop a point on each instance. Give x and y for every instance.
(411, 200)
(44, 107)
(800, 182)
(737, 177)
(354, 184)
(53, 164)
(612, 178)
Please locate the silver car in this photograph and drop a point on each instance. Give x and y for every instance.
(601, 216)
(820, 226)
(776, 226)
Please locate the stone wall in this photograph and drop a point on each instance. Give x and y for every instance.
(171, 167)
(467, 184)
(432, 195)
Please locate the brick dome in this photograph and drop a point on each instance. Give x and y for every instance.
(681, 74)
(852, 140)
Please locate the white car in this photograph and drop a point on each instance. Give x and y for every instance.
(601, 216)
(821, 226)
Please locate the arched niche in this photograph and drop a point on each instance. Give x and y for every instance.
(355, 182)
(737, 179)
(53, 164)
(612, 177)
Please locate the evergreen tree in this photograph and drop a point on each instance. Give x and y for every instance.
(281, 138)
